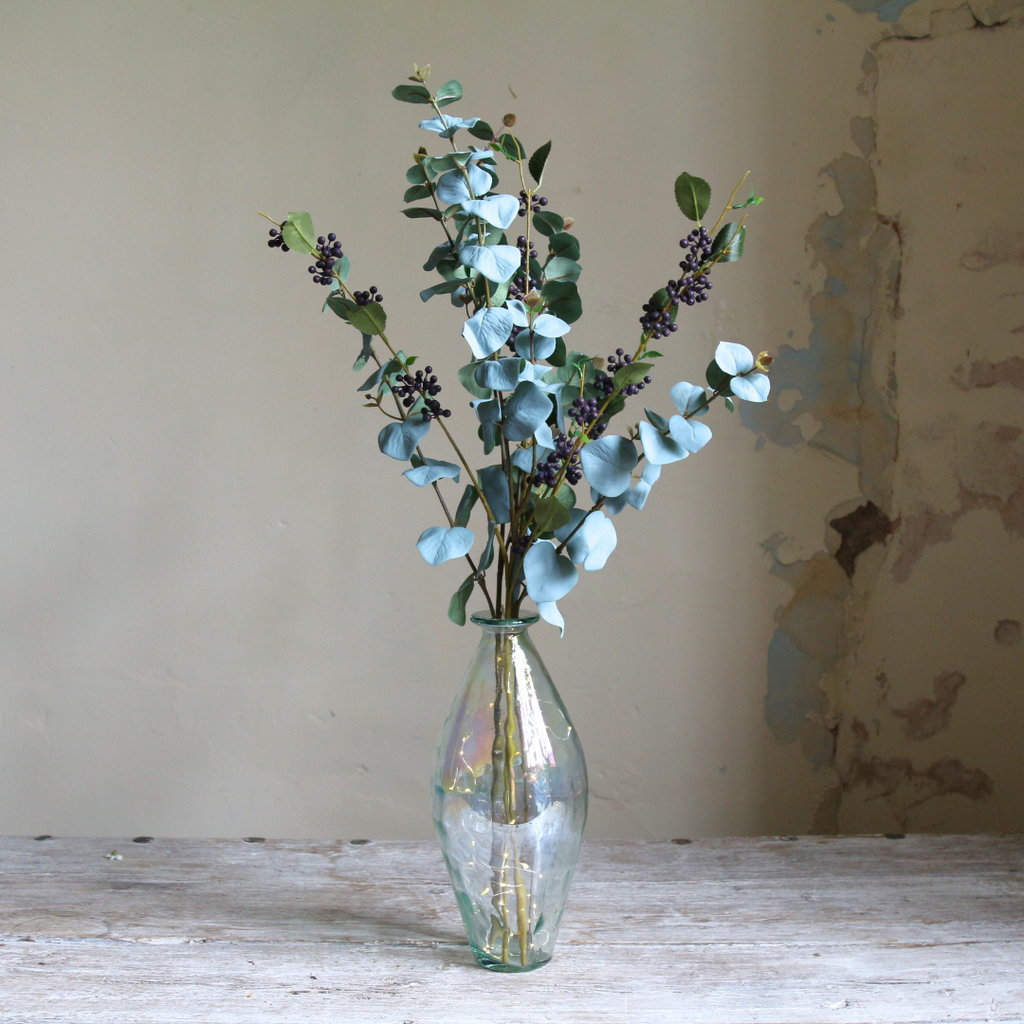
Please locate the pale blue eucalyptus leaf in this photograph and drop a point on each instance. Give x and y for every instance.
(601, 539)
(534, 346)
(608, 463)
(399, 440)
(520, 317)
(549, 575)
(733, 358)
(373, 380)
(637, 494)
(447, 126)
(523, 457)
(525, 411)
(496, 262)
(689, 433)
(613, 506)
(657, 421)
(548, 611)
(497, 210)
(688, 398)
(431, 470)
(753, 388)
(543, 436)
(487, 330)
(548, 326)
(494, 484)
(499, 374)
(487, 410)
(490, 435)
(659, 449)
(440, 544)
(453, 189)
(575, 518)
(365, 354)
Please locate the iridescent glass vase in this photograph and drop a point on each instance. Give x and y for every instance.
(510, 800)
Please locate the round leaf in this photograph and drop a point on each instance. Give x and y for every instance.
(496, 262)
(497, 210)
(754, 387)
(659, 449)
(549, 575)
(607, 463)
(440, 544)
(399, 440)
(487, 330)
(525, 411)
(733, 358)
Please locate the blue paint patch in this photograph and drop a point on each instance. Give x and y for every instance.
(830, 17)
(887, 10)
(833, 286)
(793, 692)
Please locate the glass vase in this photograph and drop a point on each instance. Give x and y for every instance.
(510, 800)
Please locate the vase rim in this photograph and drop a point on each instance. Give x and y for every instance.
(519, 623)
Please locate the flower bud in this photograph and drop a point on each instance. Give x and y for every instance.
(509, 120)
(532, 297)
(764, 360)
(569, 221)
(599, 362)
(420, 74)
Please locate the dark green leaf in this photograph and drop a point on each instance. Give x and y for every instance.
(660, 300)
(511, 147)
(411, 93)
(658, 422)
(457, 605)
(487, 555)
(615, 406)
(298, 233)
(414, 192)
(416, 175)
(564, 244)
(365, 354)
(441, 252)
(563, 299)
(449, 93)
(549, 514)
(559, 268)
(651, 354)
(369, 319)
(439, 289)
(468, 381)
(631, 374)
(717, 378)
(482, 130)
(557, 358)
(729, 243)
(567, 496)
(340, 305)
(421, 212)
(729, 405)
(537, 162)
(693, 196)
(548, 223)
(462, 513)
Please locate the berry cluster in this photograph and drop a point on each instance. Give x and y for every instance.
(424, 384)
(693, 285)
(547, 471)
(616, 362)
(656, 321)
(522, 545)
(533, 202)
(522, 283)
(698, 244)
(365, 298)
(690, 290)
(329, 251)
(277, 238)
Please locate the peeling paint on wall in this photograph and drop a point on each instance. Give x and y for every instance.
(987, 375)
(925, 717)
(887, 10)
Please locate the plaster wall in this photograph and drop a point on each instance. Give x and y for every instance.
(213, 620)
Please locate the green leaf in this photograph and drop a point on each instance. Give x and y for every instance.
(717, 378)
(411, 93)
(729, 405)
(439, 289)
(416, 175)
(750, 202)
(298, 233)
(510, 146)
(631, 374)
(615, 406)
(457, 605)
(563, 299)
(660, 300)
(469, 497)
(422, 212)
(414, 192)
(364, 356)
(563, 244)
(537, 162)
(729, 242)
(449, 93)
(341, 305)
(487, 555)
(693, 196)
(567, 496)
(559, 268)
(369, 319)
(557, 358)
(548, 223)
(468, 381)
(482, 130)
(651, 354)
(549, 514)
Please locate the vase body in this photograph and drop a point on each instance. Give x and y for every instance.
(509, 800)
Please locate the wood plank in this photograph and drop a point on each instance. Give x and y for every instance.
(841, 929)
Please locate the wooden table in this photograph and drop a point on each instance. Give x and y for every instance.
(794, 929)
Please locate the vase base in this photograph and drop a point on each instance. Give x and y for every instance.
(506, 967)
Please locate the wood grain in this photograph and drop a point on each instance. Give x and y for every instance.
(813, 929)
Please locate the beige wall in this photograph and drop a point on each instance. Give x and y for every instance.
(213, 619)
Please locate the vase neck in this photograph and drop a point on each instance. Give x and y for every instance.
(505, 627)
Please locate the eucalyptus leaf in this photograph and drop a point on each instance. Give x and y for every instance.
(752, 387)
(365, 354)
(549, 575)
(639, 492)
(511, 147)
(718, 379)
(487, 555)
(411, 93)
(557, 357)
(558, 268)
(549, 514)
(608, 463)
(499, 374)
(441, 544)
(488, 329)
(494, 484)
(730, 405)
(526, 409)
(450, 92)
(499, 211)
(659, 448)
(563, 300)
(457, 605)
(465, 509)
(565, 245)
(341, 305)
(693, 195)
(467, 378)
(658, 422)
(690, 399)
(548, 223)
(537, 162)
(533, 346)
(482, 130)
(734, 358)
(416, 192)
(691, 434)
(399, 440)
(423, 213)
(416, 175)
(430, 471)
(439, 289)
(496, 262)
(298, 233)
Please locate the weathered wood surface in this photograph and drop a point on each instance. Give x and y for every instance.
(857, 929)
